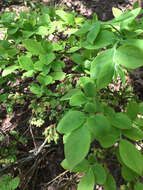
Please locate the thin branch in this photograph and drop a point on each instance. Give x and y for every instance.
(34, 142)
(62, 174)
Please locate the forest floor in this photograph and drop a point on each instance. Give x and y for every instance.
(44, 172)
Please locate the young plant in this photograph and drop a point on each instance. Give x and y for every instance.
(91, 119)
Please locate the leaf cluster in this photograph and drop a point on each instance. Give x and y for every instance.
(97, 52)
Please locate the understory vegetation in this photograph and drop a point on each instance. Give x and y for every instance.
(72, 71)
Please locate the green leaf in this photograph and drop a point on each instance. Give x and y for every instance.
(26, 63)
(131, 156)
(135, 42)
(116, 12)
(14, 183)
(46, 69)
(125, 24)
(78, 100)
(38, 66)
(77, 146)
(3, 97)
(77, 58)
(47, 45)
(129, 56)
(102, 131)
(42, 30)
(127, 16)
(58, 75)
(83, 81)
(99, 173)
(12, 30)
(92, 34)
(44, 80)
(36, 89)
(70, 31)
(141, 108)
(83, 30)
(133, 134)
(44, 19)
(9, 70)
(62, 14)
(74, 49)
(110, 139)
(138, 186)
(27, 34)
(70, 94)
(90, 89)
(58, 47)
(28, 74)
(71, 121)
(33, 46)
(90, 108)
(87, 181)
(12, 52)
(132, 110)
(120, 120)
(47, 58)
(128, 174)
(57, 65)
(99, 124)
(102, 68)
(65, 137)
(83, 166)
(110, 183)
(108, 110)
(103, 39)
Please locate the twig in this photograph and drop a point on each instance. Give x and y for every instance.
(32, 170)
(62, 174)
(41, 147)
(19, 162)
(34, 142)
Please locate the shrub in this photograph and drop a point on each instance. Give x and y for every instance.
(54, 49)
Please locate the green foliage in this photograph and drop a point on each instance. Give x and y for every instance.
(102, 122)
(7, 183)
(71, 77)
(127, 151)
